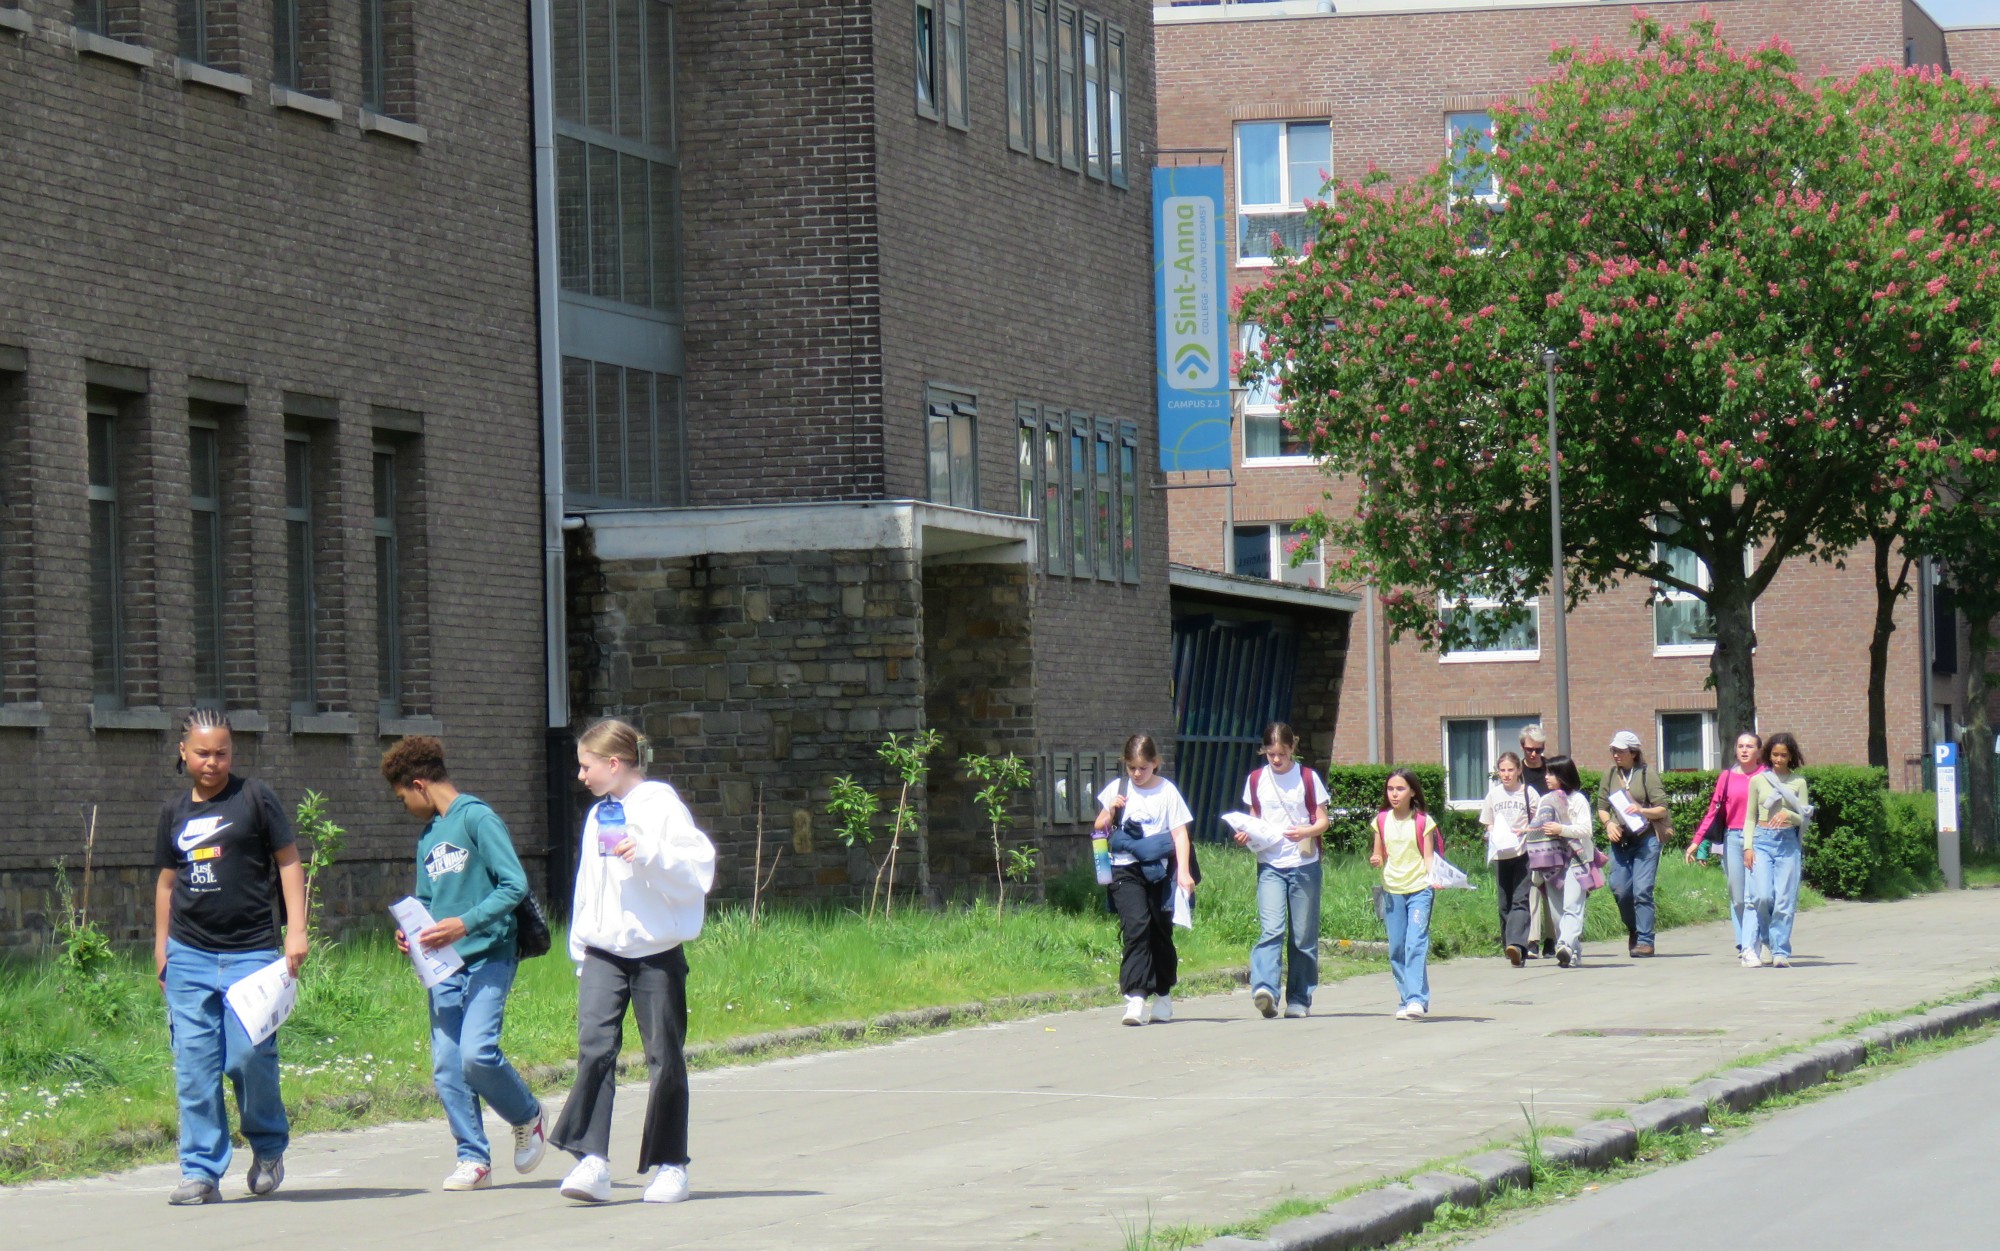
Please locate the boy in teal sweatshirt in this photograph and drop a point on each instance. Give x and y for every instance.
(470, 879)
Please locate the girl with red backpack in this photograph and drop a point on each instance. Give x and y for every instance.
(1405, 842)
(1291, 798)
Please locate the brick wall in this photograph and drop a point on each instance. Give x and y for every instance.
(196, 234)
(1974, 54)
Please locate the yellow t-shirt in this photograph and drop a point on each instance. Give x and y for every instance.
(1403, 872)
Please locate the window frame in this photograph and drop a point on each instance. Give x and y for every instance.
(215, 541)
(1294, 204)
(1020, 123)
(1665, 596)
(1069, 86)
(1082, 496)
(1711, 747)
(961, 405)
(957, 53)
(385, 526)
(1131, 502)
(1492, 196)
(1495, 655)
(1056, 488)
(302, 590)
(110, 660)
(287, 46)
(1115, 103)
(929, 56)
(1249, 337)
(1090, 56)
(1497, 742)
(1104, 499)
(1041, 76)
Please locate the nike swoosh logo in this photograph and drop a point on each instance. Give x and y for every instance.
(201, 830)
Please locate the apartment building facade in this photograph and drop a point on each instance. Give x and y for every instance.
(1278, 92)
(268, 431)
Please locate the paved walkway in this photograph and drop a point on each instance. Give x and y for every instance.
(1064, 1130)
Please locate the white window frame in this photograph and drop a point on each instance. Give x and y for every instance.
(1249, 336)
(1494, 746)
(1294, 203)
(1492, 198)
(1475, 603)
(1276, 533)
(1711, 750)
(1705, 579)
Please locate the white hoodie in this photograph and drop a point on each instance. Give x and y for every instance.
(655, 902)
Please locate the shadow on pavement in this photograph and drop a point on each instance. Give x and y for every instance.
(345, 1192)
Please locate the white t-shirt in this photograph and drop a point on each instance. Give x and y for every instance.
(1506, 812)
(1158, 809)
(1281, 799)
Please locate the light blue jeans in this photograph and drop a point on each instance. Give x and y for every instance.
(1288, 908)
(1732, 868)
(209, 1044)
(1409, 923)
(1771, 896)
(467, 1011)
(1632, 873)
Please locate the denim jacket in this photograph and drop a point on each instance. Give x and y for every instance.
(1154, 852)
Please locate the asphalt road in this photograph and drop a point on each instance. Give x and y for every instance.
(1904, 1161)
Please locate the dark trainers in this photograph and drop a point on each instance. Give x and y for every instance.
(194, 1190)
(266, 1175)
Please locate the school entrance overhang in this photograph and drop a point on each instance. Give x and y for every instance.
(1249, 651)
(936, 534)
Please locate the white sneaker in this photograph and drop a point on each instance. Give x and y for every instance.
(1418, 1012)
(1403, 1013)
(1163, 1009)
(1293, 1011)
(1781, 962)
(529, 1144)
(1750, 960)
(469, 1175)
(589, 1181)
(1265, 1001)
(669, 1185)
(1135, 1009)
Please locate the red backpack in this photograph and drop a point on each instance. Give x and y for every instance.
(1257, 778)
(1423, 819)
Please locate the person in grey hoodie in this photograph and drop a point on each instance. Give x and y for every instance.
(471, 881)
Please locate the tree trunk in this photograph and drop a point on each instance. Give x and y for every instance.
(1887, 591)
(1976, 753)
(1732, 667)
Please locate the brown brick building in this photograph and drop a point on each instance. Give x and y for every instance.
(1275, 92)
(268, 428)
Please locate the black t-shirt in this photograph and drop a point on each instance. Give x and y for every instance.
(223, 856)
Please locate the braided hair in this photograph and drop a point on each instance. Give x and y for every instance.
(199, 718)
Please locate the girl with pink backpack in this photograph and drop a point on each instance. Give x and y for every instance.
(1405, 842)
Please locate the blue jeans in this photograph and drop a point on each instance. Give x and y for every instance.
(467, 1011)
(1288, 894)
(1732, 868)
(1771, 898)
(1409, 922)
(209, 1044)
(1635, 866)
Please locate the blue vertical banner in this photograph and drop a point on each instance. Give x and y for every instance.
(1191, 318)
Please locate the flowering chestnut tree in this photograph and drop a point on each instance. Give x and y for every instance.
(1744, 323)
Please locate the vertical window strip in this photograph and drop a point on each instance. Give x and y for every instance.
(285, 43)
(1114, 96)
(1104, 488)
(191, 27)
(107, 590)
(1069, 136)
(302, 603)
(1079, 495)
(1055, 491)
(926, 49)
(1042, 86)
(1017, 75)
(374, 64)
(205, 505)
(91, 15)
(957, 104)
(388, 587)
(1093, 93)
(1129, 502)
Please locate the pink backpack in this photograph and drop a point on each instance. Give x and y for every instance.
(1423, 819)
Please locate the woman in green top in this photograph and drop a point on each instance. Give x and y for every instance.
(1777, 819)
(1405, 840)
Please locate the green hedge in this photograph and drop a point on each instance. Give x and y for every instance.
(1852, 843)
(1912, 834)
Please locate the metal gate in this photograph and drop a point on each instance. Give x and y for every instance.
(1231, 678)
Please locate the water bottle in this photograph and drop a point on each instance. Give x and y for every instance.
(1100, 853)
(610, 827)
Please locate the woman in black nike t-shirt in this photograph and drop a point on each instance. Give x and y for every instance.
(222, 847)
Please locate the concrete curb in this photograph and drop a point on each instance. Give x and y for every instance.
(1378, 1217)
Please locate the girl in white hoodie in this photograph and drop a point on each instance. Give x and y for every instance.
(638, 898)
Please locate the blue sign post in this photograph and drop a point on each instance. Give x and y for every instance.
(1945, 757)
(1191, 318)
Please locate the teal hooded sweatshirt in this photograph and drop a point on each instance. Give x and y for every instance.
(466, 868)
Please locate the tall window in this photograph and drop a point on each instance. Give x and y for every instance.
(205, 508)
(191, 24)
(1042, 32)
(1028, 460)
(91, 15)
(1019, 112)
(1093, 92)
(302, 590)
(624, 439)
(1490, 638)
(1469, 149)
(17, 656)
(1104, 510)
(1279, 165)
(374, 58)
(1079, 480)
(107, 574)
(951, 427)
(617, 172)
(285, 45)
(1081, 551)
(1687, 741)
(1682, 622)
(1069, 135)
(1266, 437)
(1129, 508)
(1471, 746)
(1114, 102)
(1055, 493)
(388, 586)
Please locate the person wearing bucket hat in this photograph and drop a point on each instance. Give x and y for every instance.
(1635, 854)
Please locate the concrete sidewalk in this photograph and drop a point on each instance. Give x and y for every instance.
(1065, 1130)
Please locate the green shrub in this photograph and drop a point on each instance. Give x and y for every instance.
(1911, 834)
(1847, 846)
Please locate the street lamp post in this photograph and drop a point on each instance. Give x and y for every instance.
(1556, 563)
